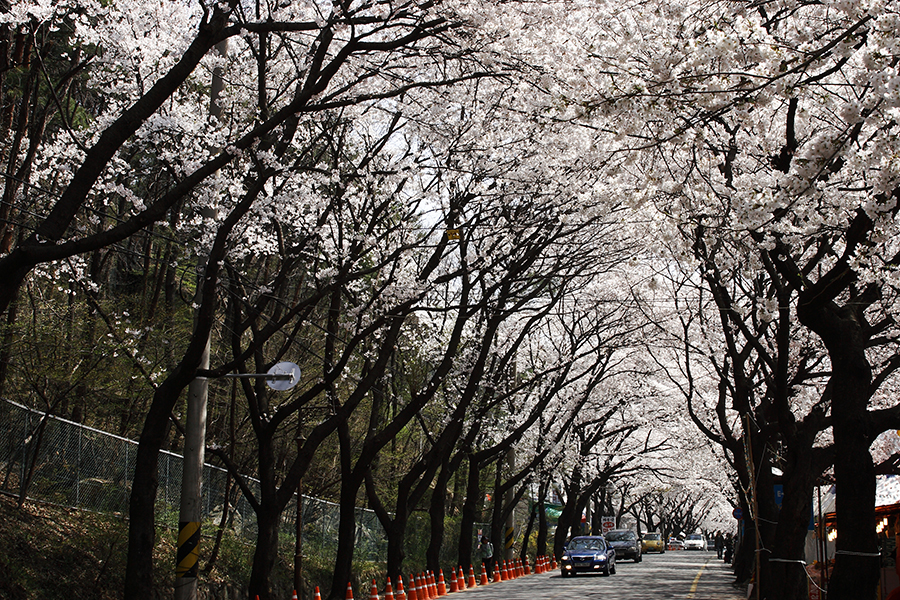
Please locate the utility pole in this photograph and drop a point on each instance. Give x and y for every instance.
(190, 514)
(189, 517)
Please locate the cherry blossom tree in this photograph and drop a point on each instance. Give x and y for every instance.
(769, 146)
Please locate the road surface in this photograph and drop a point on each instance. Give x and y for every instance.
(682, 575)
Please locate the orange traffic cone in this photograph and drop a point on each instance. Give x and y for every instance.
(472, 576)
(527, 567)
(388, 590)
(414, 592)
(460, 580)
(484, 577)
(294, 597)
(428, 585)
(421, 588)
(432, 586)
(349, 594)
(401, 593)
(317, 595)
(553, 564)
(442, 585)
(520, 570)
(373, 593)
(453, 588)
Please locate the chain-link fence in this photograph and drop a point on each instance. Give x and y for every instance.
(59, 461)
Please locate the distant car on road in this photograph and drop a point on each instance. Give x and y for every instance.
(653, 542)
(626, 543)
(675, 544)
(696, 541)
(588, 554)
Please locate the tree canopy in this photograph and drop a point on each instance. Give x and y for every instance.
(609, 254)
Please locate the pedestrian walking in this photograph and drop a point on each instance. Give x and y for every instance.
(487, 556)
(720, 544)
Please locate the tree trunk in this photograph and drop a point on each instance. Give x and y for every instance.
(498, 519)
(857, 559)
(268, 519)
(6, 343)
(142, 508)
(396, 534)
(802, 466)
(532, 517)
(343, 565)
(350, 484)
(844, 331)
(470, 511)
(790, 539)
(436, 513)
(745, 549)
(768, 517)
(541, 549)
(564, 523)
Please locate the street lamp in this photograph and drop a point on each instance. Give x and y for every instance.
(282, 376)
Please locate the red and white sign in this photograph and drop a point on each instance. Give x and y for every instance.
(608, 523)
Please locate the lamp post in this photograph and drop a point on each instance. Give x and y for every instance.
(282, 376)
(188, 552)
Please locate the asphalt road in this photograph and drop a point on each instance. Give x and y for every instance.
(684, 574)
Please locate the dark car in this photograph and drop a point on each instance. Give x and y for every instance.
(626, 543)
(588, 554)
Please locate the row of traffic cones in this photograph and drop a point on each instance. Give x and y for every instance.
(424, 586)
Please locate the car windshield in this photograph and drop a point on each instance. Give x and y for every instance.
(652, 536)
(695, 536)
(586, 544)
(619, 536)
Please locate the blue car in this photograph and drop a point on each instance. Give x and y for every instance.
(588, 554)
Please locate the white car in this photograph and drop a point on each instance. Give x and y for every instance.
(695, 541)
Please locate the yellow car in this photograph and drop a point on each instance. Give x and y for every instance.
(653, 542)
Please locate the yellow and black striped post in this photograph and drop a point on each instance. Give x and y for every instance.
(187, 557)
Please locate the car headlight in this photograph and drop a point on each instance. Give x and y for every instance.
(565, 559)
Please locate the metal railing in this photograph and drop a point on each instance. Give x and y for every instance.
(66, 463)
